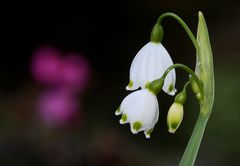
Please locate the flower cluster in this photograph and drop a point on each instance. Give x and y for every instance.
(152, 70)
(140, 108)
(66, 77)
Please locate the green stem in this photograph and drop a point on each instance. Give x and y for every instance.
(206, 75)
(204, 80)
(183, 24)
(186, 86)
(192, 148)
(187, 69)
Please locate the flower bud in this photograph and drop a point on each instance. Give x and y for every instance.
(174, 117)
(195, 88)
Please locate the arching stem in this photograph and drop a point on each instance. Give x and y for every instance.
(188, 70)
(183, 24)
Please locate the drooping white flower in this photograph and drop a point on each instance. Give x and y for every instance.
(140, 109)
(149, 64)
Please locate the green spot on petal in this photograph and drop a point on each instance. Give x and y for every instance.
(130, 84)
(170, 88)
(137, 125)
(147, 85)
(149, 131)
(124, 117)
(118, 110)
(173, 127)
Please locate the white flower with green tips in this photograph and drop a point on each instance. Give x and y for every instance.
(149, 64)
(140, 109)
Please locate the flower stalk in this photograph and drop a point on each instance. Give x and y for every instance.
(204, 78)
(156, 85)
(183, 24)
(206, 74)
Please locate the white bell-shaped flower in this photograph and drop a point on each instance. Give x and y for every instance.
(140, 109)
(149, 64)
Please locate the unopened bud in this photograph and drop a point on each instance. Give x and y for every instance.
(174, 117)
(195, 88)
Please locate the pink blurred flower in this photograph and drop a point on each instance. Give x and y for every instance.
(50, 68)
(75, 72)
(65, 77)
(57, 107)
(46, 64)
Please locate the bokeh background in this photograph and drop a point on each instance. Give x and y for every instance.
(108, 35)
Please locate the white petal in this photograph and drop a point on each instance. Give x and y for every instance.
(159, 61)
(169, 83)
(148, 67)
(122, 122)
(126, 101)
(150, 127)
(134, 86)
(149, 64)
(142, 109)
(118, 112)
(132, 129)
(155, 67)
(136, 64)
(158, 68)
(142, 71)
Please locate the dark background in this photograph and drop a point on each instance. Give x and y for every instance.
(110, 34)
